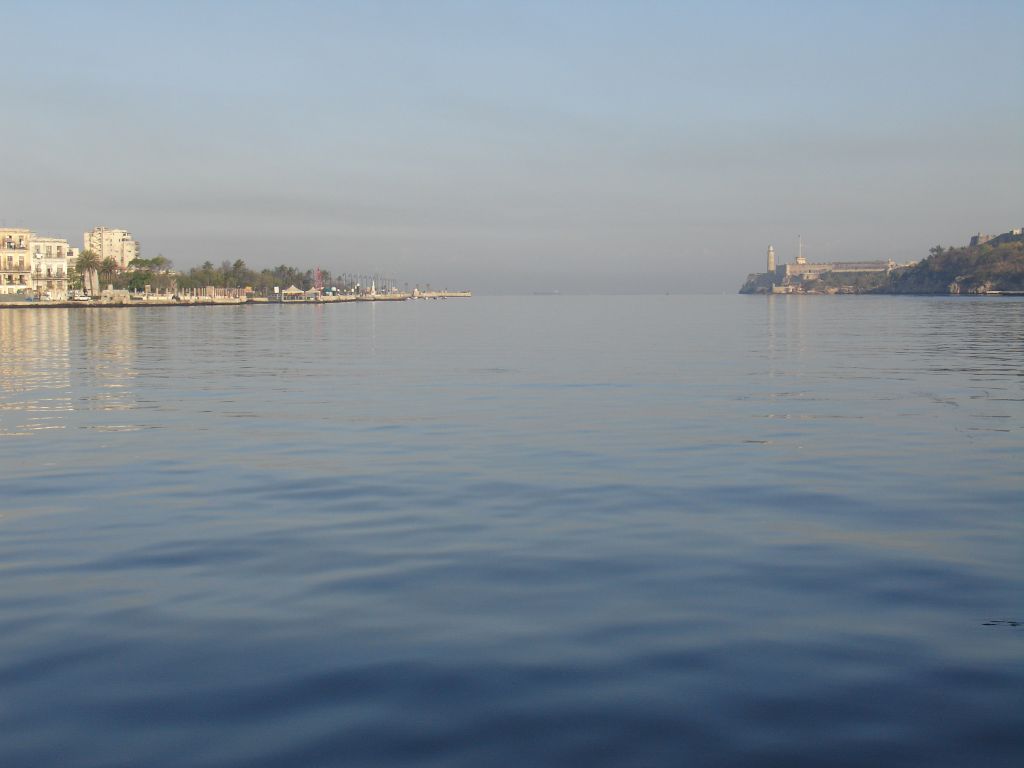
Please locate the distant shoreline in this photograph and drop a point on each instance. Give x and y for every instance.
(225, 302)
(981, 295)
(988, 266)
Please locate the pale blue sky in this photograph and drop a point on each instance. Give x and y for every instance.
(516, 146)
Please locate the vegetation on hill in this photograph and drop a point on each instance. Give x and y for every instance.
(995, 266)
(969, 269)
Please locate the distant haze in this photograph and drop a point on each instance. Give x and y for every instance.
(513, 147)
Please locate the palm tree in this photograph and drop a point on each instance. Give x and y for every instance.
(87, 264)
(108, 268)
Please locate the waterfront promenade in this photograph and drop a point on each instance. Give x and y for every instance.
(165, 300)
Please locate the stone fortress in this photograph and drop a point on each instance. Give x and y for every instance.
(794, 277)
(1006, 237)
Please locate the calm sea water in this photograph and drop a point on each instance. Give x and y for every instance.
(724, 531)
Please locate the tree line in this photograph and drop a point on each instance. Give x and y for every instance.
(90, 272)
(967, 269)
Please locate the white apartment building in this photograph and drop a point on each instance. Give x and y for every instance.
(51, 257)
(116, 244)
(34, 264)
(15, 263)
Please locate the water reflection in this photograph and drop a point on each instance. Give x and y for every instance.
(55, 361)
(104, 352)
(35, 377)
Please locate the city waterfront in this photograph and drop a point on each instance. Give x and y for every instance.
(547, 530)
(232, 298)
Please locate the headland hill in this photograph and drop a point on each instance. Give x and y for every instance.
(990, 265)
(44, 271)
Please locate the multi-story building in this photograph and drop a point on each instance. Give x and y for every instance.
(51, 257)
(15, 263)
(116, 244)
(30, 263)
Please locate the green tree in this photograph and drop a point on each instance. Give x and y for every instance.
(74, 278)
(87, 264)
(108, 269)
(240, 274)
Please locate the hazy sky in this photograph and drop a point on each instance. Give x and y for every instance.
(515, 146)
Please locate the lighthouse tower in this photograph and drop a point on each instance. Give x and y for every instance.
(771, 260)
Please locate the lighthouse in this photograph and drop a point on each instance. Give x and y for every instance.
(771, 260)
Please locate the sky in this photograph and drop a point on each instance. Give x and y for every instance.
(511, 147)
